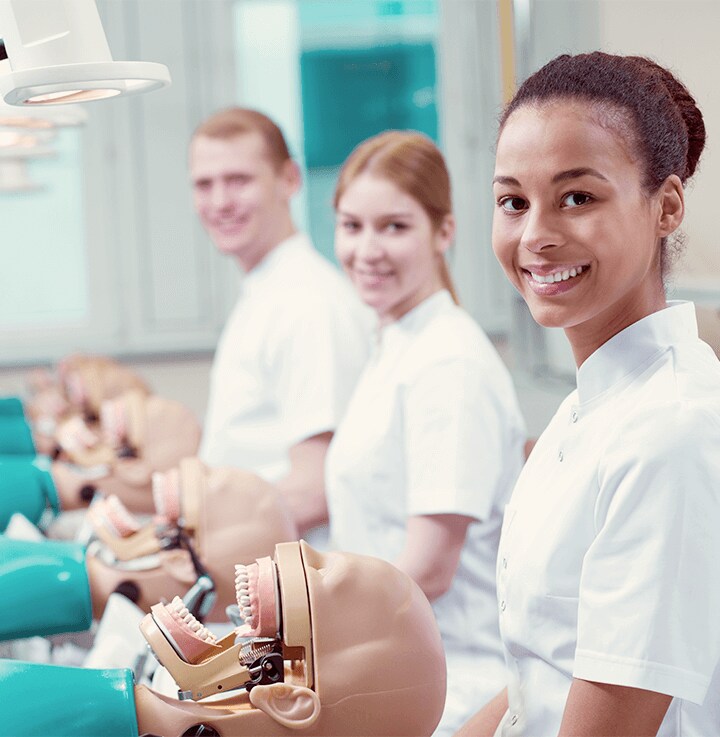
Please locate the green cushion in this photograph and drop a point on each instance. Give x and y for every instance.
(25, 487)
(11, 407)
(44, 588)
(16, 437)
(56, 701)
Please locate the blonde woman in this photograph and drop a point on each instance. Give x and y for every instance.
(422, 463)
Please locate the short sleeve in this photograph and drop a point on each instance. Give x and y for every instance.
(649, 610)
(454, 434)
(315, 357)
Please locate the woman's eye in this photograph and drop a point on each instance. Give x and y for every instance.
(349, 226)
(512, 204)
(395, 227)
(576, 199)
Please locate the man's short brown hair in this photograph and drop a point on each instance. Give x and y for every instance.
(237, 121)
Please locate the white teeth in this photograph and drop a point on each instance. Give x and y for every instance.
(181, 614)
(158, 482)
(242, 591)
(557, 276)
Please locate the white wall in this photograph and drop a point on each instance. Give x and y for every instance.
(682, 35)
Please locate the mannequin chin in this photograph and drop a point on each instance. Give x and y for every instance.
(136, 435)
(228, 515)
(377, 665)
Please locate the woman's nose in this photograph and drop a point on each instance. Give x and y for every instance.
(542, 230)
(369, 248)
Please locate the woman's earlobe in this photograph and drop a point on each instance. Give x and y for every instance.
(672, 206)
(294, 707)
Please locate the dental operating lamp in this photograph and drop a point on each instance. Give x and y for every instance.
(55, 51)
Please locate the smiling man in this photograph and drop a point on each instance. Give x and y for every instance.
(297, 338)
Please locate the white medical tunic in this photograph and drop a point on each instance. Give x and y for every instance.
(434, 428)
(609, 564)
(287, 361)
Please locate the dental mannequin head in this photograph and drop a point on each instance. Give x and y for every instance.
(137, 436)
(394, 221)
(230, 516)
(377, 664)
(83, 383)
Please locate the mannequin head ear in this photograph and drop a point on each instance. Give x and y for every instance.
(294, 707)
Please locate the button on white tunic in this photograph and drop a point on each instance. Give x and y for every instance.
(609, 565)
(434, 428)
(287, 361)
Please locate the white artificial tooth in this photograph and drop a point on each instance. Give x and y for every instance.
(579, 269)
(196, 626)
(245, 601)
(573, 271)
(247, 612)
(565, 275)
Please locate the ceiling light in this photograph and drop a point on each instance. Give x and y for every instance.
(56, 52)
(42, 116)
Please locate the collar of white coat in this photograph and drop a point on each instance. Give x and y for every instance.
(415, 318)
(277, 258)
(632, 349)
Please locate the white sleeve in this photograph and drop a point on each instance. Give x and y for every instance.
(316, 357)
(454, 429)
(649, 610)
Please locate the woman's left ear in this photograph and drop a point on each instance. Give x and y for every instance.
(672, 206)
(445, 233)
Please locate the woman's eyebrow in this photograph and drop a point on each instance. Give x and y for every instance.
(582, 171)
(505, 180)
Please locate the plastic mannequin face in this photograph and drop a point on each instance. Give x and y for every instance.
(83, 383)
(137, 436)
(231, 516)
(377, 661)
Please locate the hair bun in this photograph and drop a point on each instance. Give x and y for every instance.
(688, 109)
